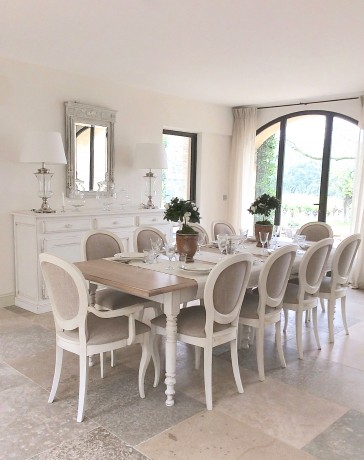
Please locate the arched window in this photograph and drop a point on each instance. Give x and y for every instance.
(307, 159)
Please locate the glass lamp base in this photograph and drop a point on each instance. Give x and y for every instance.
(45, 208)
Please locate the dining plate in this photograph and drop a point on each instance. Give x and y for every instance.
(197, 268)
(129, 255)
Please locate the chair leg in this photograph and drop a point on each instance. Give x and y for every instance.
(207, 361)
(102, 365)
(82, 386)
(197, 357)
(322, 302)
(112, 358)
(285, 320)
(279, 344)
(308, 316)
(260, 352)
(330, 318)
(252, 335)
(343, 314)
(57, 373)
(144, 362)
(299, 333)
(155, 356)
(235, 364)
(315, 329)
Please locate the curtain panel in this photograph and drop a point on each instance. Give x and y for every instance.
(357, 277)
(242, 167)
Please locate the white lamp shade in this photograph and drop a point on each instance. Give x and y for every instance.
(43, 147)
(150, 156)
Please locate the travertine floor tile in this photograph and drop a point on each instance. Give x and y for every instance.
(346, 350)
(98, 444)
(213, 435)
(282, 411)
(343, 439)
(29, 425)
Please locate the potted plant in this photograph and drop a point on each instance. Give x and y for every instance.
(184, 211)
(263, 206)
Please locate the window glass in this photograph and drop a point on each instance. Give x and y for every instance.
(179, 179)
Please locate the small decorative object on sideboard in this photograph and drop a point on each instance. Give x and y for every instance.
(263, 206)
(184, 211)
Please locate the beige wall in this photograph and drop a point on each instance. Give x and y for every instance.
(32, 98)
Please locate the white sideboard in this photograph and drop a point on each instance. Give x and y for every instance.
(60, 234)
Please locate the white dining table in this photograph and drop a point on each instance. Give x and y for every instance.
(171, 288)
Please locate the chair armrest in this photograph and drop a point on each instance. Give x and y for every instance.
(126, 311)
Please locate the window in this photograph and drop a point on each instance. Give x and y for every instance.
(307, 159)
(180, 177)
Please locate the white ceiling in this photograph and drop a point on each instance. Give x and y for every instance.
(230, 52)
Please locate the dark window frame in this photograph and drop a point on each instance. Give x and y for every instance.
(282, 120)
(193, 164)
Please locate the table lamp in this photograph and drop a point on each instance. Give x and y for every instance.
(43, 147)
(150, 156)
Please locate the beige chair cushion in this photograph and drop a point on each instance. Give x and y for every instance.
(291, 294)
(100, 245)
(191, 321)
(249, 308)
(112, 299)
(326, 284)
(103, 330)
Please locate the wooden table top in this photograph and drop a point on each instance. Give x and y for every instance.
(131, 279)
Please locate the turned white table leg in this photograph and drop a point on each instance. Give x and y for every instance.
(171, 309)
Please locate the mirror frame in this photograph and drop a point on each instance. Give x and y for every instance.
(77, 112)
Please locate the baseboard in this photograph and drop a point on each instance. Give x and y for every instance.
(7, 300)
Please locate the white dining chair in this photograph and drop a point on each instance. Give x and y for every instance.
(303, 296)
(334, 287)
(216, 322)
(263, 307)
(201, 231)
(99, 244)
(221, 227)
(315, 231)
(85, 331)
(143, 236)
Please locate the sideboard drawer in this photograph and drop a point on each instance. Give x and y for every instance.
(66, 225)
(114, 222)
(151, 220)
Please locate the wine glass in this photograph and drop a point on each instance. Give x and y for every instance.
(263, 238)
(200, 241)
(170, 252)
(275, 235)
(222, 242)
(156, 245)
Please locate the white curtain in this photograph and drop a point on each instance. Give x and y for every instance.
(358, 205)
(242, 167)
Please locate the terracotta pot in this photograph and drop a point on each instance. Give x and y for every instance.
(187, 244)
(262, 228)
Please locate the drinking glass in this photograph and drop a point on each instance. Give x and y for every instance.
(263, 238)
(156, 245)
(170, 251)
(221, 243)
(244, 237)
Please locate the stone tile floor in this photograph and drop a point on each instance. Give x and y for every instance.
(313, 408)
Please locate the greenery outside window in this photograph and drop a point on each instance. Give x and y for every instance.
(307, 159)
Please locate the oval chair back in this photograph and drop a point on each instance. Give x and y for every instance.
(315, 231)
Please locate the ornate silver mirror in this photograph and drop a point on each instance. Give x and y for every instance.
(90, 146)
